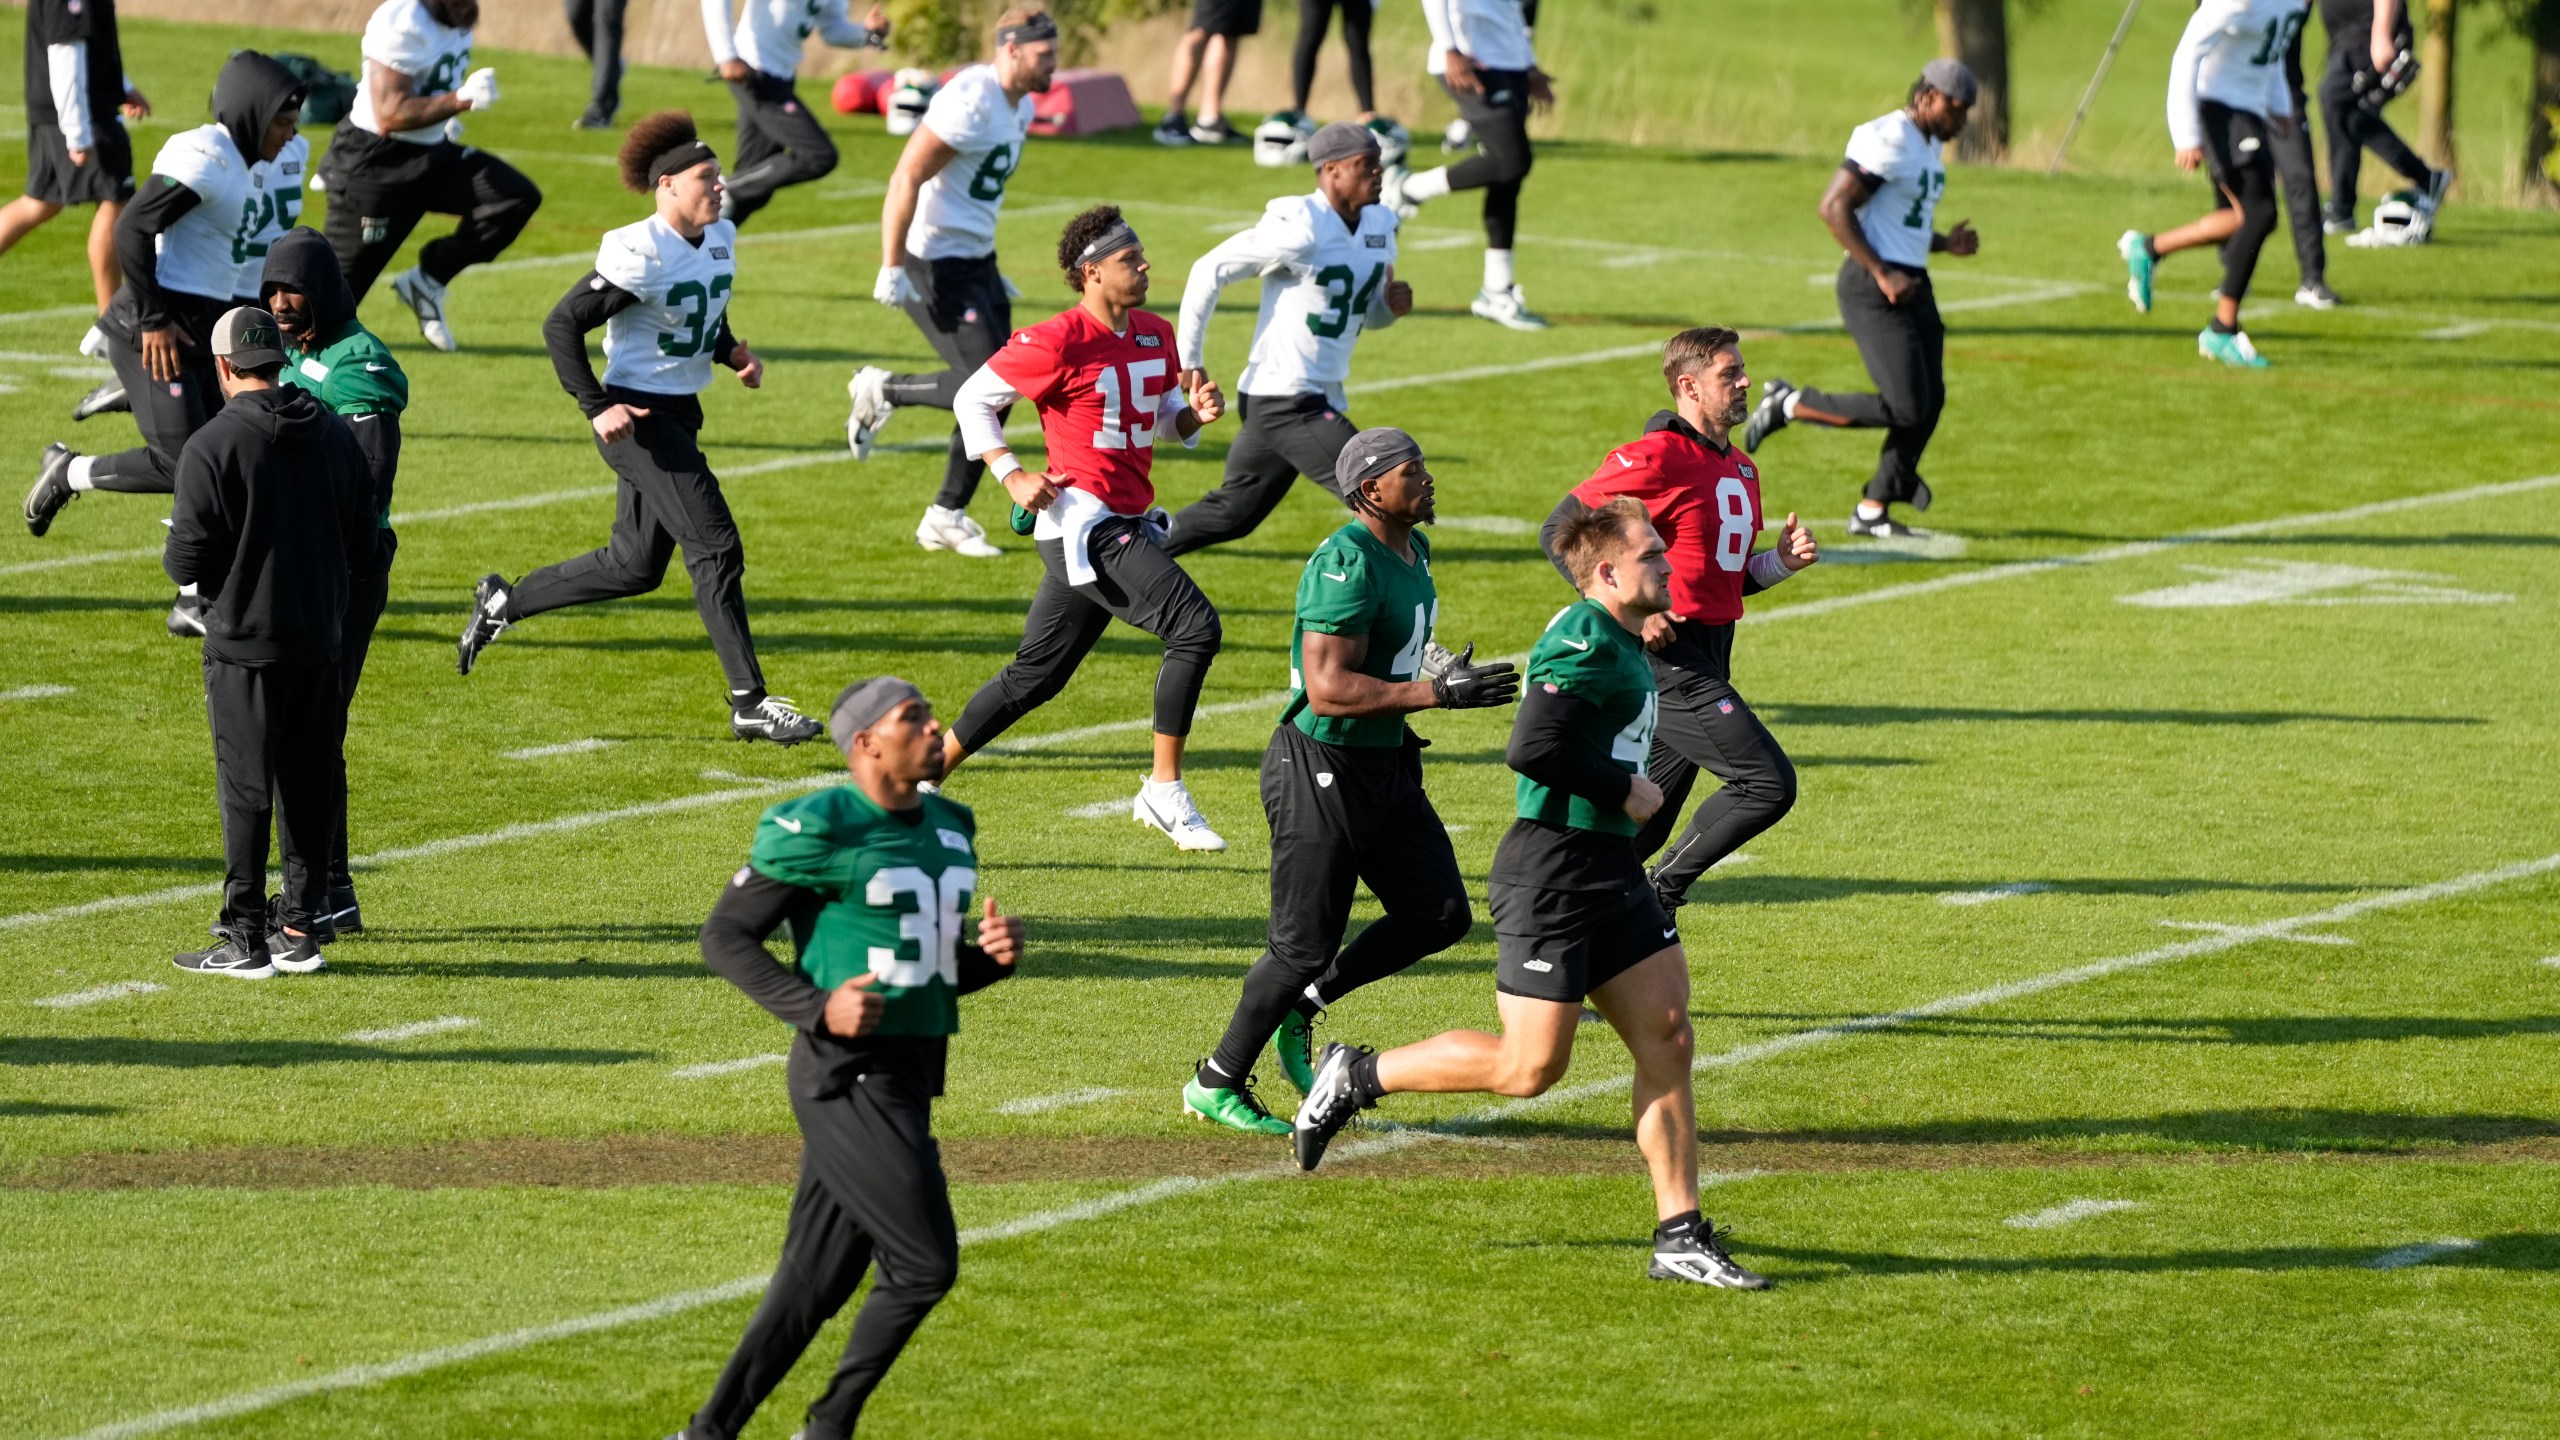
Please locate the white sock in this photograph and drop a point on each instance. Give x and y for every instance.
(1870, 510)
(78, 474)
(1787, 407)
(1497, 270)
(189, 591)
(1429, 185)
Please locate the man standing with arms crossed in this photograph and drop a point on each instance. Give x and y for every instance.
(1342, 779)
(1572, 915)
(938, 255)
(1882, 208)
(1328, 267)
(1704, 500)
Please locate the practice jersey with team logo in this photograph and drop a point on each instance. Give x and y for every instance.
(956, 210)
(1355, 585)
(218, 249)
(1704, 503)
(1101, 395)
(1587, 654)
(1323, 283)
(898, 886)
(770, 33)
(663, 344)
(403, 36)
(2232, 53)
(1910, 171)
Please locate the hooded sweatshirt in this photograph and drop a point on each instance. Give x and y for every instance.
(345, 365)
(249, 200)
(273, 512)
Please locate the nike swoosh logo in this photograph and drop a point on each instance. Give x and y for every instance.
(788, 824)
(1576, 644)
(1329, 575)
(1623, 460)
(377, 369)
(1671, 934)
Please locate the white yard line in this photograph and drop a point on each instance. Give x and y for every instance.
(1996, 892)
(36, 692)
(1099, 810)
(2217, 927)
(725, 1067)
(103, 993)
(1153, 1192)
(57, 312)
(411, 1031)
(2408, 1255)
(2552, 960)
(1041, 1104)
(546, 752)
(2064, 1214)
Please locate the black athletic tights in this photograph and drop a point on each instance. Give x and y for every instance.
(1500, 116)
(1314, 18)
(2238, 149)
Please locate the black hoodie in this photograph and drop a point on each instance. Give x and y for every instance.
(361, 381)
(248, 95)
(273, 512)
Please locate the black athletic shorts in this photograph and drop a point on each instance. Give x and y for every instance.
(1561, 945)
(1227, 17)
(2234, 141)
(53, 179)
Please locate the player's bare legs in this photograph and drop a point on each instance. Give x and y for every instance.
(1649, 1008)
(1216, 68)
(21, 215)
(1527, 1058)
(104, 273)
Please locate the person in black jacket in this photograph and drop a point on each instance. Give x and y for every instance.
(272, 516)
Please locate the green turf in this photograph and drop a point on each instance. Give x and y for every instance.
(2283, 1110)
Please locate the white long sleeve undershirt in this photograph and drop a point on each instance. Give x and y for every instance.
(68, 68)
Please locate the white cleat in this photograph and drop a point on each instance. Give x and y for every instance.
(871, 410)
(953, 530)
(1391, 192)
(1509, 308)
(94, 344)
(1167, 807)
(425, 299)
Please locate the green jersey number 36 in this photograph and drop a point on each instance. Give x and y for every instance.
(932, 928)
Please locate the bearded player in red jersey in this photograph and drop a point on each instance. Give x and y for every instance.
(1106, 382)
(1703, 496)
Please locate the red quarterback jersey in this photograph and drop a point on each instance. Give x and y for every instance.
(1100, 397)
(1705, 504)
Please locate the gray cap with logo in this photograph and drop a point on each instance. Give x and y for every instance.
(1341, 140)
(246, 336)
(1370, 454)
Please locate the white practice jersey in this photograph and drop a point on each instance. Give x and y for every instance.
(1492, 33)
(402, 36)
(1901, 216)
(663, 344)
(2233, 54)
(1322, 284)
(769, 33)
(956, 213)
(218, 250)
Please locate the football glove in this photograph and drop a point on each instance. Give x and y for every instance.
(1458, 683)
(479, 90)
(893, 288)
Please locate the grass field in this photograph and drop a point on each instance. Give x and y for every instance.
(2145, 1023)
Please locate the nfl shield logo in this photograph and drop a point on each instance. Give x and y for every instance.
(1724, 707)
(969, 316)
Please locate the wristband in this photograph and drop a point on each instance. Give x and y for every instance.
(1005, 467)
(1768, 568)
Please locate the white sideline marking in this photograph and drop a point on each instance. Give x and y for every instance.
(2408, 1255)
(1030, 743)
(2464, 331)
(1148, 1194)
(1098, 810)
(1091, 1094)
(2218, 928)
(1521, 367)
(725, 1067)
(2552, 960)
(35, 692)
(2260, 581)
(1996, 892)
(58, 312)
(1486, 524)
(116, 991)
(2064, 1214)
(413, 1030)
(65, 562)
(566, 747)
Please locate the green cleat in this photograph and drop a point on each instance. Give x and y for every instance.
(1237, 1109)
(2231, 349)
(2135, 247)
(1296, 1043)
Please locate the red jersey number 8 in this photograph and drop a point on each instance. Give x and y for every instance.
(1734, 525)
(1137, 431)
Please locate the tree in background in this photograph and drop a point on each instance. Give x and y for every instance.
(1977, 33)
(2539, 22)
(2435, 82)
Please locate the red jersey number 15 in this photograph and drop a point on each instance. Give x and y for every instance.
(1131, 426)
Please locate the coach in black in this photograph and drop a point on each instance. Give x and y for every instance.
(273, 513)
(77, 150)
(2370, 63)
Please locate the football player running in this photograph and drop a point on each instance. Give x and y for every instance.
(1328, 267)
(779, 141)
(875, 879)
(1704, 500)
(1103, 378)
(1573, 918)
(938, 255)
(660, 290)
(1482, 55)
(1342, 779)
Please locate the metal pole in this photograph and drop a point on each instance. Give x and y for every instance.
(2091, 94)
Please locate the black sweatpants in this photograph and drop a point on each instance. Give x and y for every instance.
(2353, 130)
(597, 24)
(367, 595)
(668, 500)
(1501, 119)
(2239, 155)
(1134, 582)
(275, 763)
(966, 316)
(379, 189)
(166, 412)
(871, 1186)
(1343, 815)
(1284, 437)
(1905, 347)
(1704, 725)
(1314, 18)
(2298, 175)
(779, 143)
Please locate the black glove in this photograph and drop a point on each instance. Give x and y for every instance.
(1459, 684)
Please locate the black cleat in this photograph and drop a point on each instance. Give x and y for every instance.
(239, 958)
(489, 600)
(52, 489)
(1330, 1105)
(109, 396)
(773, 718)
(186, 617)
(1695, 1253)
(344, 917)
(1769, 416)
(1885, 527)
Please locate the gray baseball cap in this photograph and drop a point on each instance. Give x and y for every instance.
(865, 703)
(1370, 454)
(1951, 79)
(1341, 140)
(246, 336)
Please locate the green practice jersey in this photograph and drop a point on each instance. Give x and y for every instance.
(354, 374)
(1587, 654)
(898, 887)
(1353, 585)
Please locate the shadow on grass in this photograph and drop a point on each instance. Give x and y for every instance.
(2250, 1030)
(44, 864)
(273, 1054)
(599, 933)
(688, 968)
(2529, 1251)
(36, 1109)
(2271, 1130)
(1750, 889)
(68, 604)
(1810, 714)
